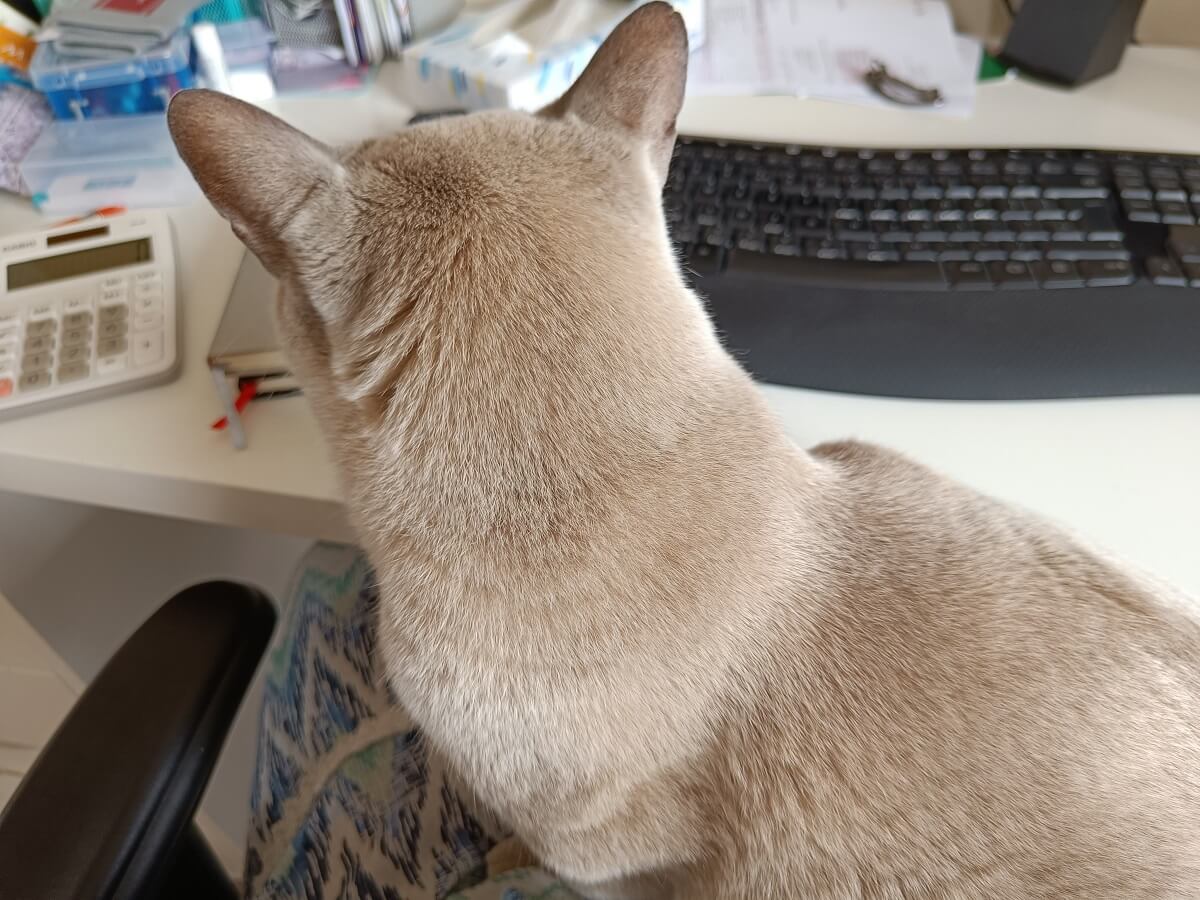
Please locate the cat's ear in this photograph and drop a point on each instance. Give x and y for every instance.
(635, 81)
(256, 170)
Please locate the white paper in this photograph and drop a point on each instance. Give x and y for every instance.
(824, 48)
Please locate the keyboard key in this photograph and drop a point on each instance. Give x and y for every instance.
(997, 234)
(38, 344)
(34, 381)
(1056, 273)
(110, 365)
(111, 314)
(968, 275)
(36, 361)
(112, 347)
(41, 328)
(1141, 211)
(924, 255)
(954, 254)
(1107, 272)
(1101, 250)
(1087, 188)
(1164, 271)
(147, 348)
(74, 337)
(77, 320)
(1011, 275)
(1175, 213)
(73, 372)
(6, 387)
(880, 255)
(1050, 214)
(74, 354)
(1184, 241)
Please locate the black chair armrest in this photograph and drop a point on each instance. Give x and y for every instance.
(107, 801)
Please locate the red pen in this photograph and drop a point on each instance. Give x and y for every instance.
(245, 395)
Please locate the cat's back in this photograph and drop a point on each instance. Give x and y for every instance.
(981, 707)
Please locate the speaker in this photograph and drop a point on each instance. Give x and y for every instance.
(1070, 41)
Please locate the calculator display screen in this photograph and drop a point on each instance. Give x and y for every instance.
(82, 262)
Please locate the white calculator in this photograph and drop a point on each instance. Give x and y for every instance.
(86, 310)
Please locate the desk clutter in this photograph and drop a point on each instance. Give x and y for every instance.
(71, 71)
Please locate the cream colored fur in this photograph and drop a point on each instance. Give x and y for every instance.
(683, 657)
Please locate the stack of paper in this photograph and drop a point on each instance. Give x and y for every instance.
(824, 48)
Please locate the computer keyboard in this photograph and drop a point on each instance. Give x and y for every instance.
(957, 274)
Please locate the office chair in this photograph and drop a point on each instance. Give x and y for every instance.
(106, 811)
(347, 798)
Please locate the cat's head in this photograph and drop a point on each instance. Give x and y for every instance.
(500, 245)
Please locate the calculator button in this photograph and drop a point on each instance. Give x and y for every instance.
(34, 381)
(147, 322)
(7, 352)
(35, 362)
(109, 296)
(77, 320)
(147, 348)
(112, 329)
(77, 304)
(74, 354)
(147, 289)
(148, 304)
(74, 337)
(45, 310)
(113, 313)
(108, 365)
(40, 328)
(112, 347)
(6, 387)
(73, 372)
(38, 344)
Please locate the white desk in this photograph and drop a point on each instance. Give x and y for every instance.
(1125, 472)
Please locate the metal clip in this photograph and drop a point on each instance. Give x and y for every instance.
(888, 86)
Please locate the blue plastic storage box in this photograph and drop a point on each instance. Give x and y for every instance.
(91, 89)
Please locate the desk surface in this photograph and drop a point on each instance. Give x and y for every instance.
(1125, 472)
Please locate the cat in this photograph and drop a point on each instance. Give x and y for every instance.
(681, 656)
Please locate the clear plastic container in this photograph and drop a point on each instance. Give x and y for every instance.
(130, 161)
(91, 89)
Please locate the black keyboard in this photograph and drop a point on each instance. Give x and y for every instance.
(958, 274)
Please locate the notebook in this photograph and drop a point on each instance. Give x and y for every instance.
(246, 344)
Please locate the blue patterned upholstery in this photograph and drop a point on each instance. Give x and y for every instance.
(348, 801)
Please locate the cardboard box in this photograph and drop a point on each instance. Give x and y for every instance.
(450, 71)
(1169, 22)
